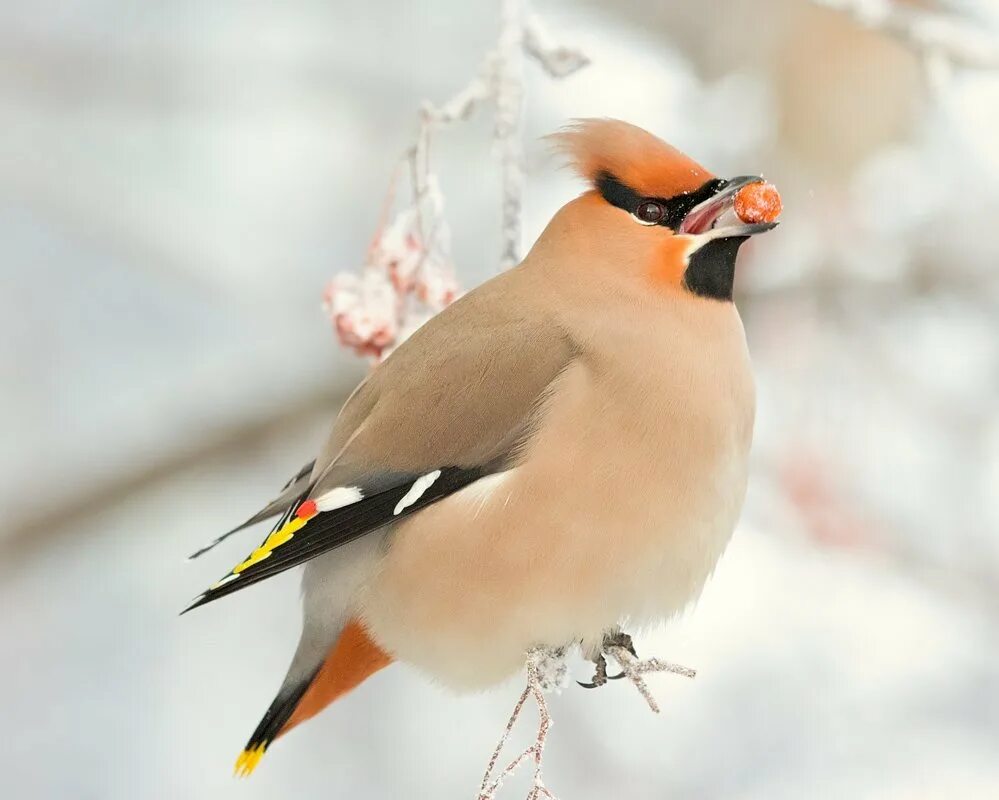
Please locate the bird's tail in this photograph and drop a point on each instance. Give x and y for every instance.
(354, 658)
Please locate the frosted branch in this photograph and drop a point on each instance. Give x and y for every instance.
(461, 105)
(635, 668)
(546, 671)
(508, 89)
(558, 61)
(408, 276)
(500, 80)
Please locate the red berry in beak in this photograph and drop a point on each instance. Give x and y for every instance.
(758, 202)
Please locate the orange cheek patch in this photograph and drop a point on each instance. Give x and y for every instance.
(670, 262)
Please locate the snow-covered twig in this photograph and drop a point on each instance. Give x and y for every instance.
(408, 275)
(558, 61)
(500, 80)
(546, 671)
(635, 668)
(508, 90)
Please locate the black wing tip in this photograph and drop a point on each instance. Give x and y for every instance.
(218, 540)
(334, 528)
(209, 595)
(200, 552)
(202, 599)
(198, 601)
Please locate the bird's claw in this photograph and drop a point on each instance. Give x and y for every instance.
(600, 677)
(619, 639)
(618, 645)
(599, 673)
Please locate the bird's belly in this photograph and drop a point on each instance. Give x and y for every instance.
(558, 549)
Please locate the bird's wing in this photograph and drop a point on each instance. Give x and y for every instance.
(282, 504)
(447, 408)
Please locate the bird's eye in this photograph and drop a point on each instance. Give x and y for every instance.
(650, 212)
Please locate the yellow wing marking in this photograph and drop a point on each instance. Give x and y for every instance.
(275, 540)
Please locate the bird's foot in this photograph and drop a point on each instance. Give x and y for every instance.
(614, 638)
(621, 648)
(599, 673)
(618, 638)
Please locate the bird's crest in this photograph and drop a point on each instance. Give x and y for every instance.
(636, 158)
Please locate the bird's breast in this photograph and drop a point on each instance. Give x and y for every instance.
(622, 504)
(654, 451)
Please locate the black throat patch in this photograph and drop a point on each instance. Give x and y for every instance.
(711, 269)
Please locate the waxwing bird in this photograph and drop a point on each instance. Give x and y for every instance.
(563, 448)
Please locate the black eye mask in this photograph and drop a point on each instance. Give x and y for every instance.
(675, 208)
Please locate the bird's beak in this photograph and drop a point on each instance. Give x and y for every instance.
(715, 217)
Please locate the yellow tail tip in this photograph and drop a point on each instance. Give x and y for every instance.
(248, 760)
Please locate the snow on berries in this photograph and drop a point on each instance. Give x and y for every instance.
(758, 202)
(407, 277)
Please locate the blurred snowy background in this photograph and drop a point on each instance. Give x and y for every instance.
(178, 182)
